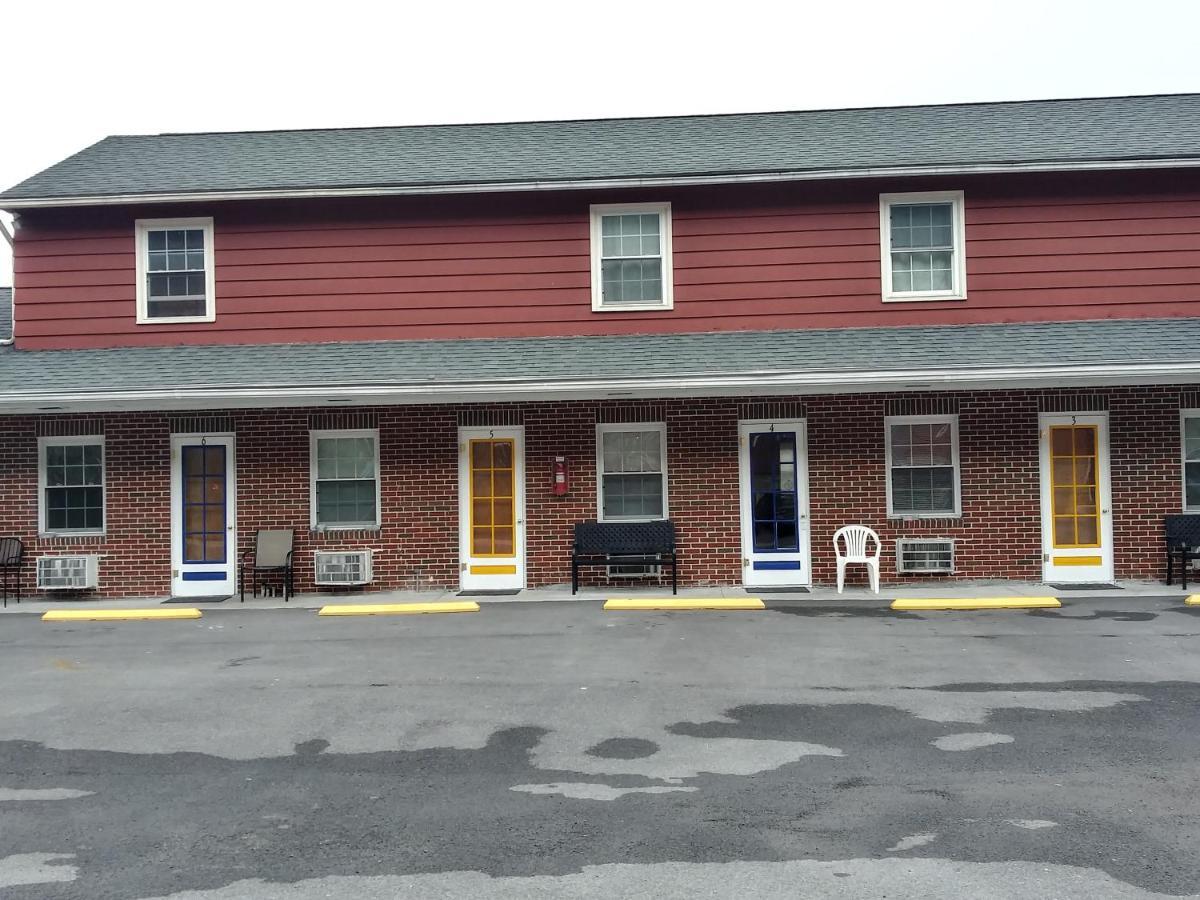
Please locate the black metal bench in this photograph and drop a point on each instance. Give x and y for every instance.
(12, 554)
(1183, 543)
(625, 544)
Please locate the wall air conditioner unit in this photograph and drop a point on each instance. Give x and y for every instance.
(342, 568)
(632, 570)
(931, 557)
(68, 573)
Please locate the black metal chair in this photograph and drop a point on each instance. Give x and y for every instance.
(625, 544)
(1183, 543)
(270, 556)
(12, 554)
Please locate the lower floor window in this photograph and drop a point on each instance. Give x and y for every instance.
(345, 479)
(922, 466)
(632, 472)
(1191, 462)
(72, 485)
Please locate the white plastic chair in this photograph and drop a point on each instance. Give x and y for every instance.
(855, 538)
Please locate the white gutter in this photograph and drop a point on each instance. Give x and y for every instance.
(598, 183)
(749, 384)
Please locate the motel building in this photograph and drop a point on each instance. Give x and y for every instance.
(431, 352)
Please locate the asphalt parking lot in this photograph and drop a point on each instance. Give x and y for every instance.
(557, 750)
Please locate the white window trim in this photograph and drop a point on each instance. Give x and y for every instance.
(71, 441)
(141, 228)
(1184, 415)
(952, 421)
(958, 291)
(601, 430)
(313, 437)
(599, 210)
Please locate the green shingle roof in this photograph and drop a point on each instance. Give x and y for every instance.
(982, 135)
(423, 364)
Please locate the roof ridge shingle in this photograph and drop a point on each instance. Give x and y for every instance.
(667, 117)
(1067, 132)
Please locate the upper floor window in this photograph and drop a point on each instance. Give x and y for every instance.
(631, 257)
(1191, 460)
(71, 485)
(922, 466)
(632, 467)
(175, 270)
(923, 246)
(344, 479)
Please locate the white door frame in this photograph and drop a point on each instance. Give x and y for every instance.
(766, 575)
(1077, 564)
(490, 573)
(214, 579)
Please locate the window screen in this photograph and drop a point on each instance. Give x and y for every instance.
(631, 262)
(74, 487)
(346, 483)
(632, 474)
(922, 468)
(176, 284)
(922, 247)
(1191, 462)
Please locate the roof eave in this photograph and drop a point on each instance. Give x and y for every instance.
(734, 384)
(15, 204)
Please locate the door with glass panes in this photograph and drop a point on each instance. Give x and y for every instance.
(203, 515)
(1077, 538)
(491, 508)
(774, 504)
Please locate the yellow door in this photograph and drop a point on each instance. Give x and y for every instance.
(1077, 526)
(491, 475)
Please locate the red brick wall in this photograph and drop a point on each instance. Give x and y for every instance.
(998, 534)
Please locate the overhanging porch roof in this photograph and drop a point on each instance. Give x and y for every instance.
(808, 361)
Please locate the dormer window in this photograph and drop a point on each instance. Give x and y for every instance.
(631, 257)
(175, 270)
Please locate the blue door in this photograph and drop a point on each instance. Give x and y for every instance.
(774, 504)
(204, 541)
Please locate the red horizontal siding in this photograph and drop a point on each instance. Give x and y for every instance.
(769, 256)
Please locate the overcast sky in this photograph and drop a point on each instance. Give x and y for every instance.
(79, 72)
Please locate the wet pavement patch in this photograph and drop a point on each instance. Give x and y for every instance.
(162, 823)
(239, 661)
(623, 748)
(1116, 615)
(839, 612)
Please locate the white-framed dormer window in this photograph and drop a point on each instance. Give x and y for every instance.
(922, 466)
(175, 271)
(923, 246)
(631, 257)
(344, 476)
(631, 468)
(71, 485)
(1189, 427)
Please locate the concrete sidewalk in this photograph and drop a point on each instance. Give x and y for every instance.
(825, 595)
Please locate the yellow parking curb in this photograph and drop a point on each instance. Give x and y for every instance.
(399, 609)
(117, 615)
(684, 603)
(1193, 600)
(977, 603)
